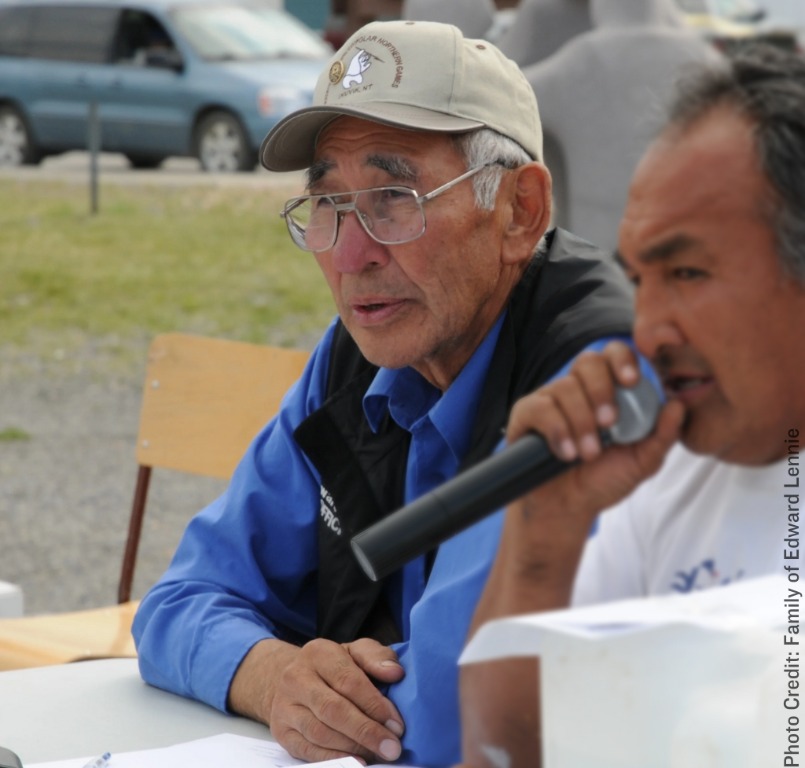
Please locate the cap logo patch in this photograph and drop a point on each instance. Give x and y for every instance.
(361, 61)
(336, 72)
(353, 77)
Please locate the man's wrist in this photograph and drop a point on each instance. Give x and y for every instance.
(252, 690)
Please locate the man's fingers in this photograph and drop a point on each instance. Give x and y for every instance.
(571, 411)
(563, 414)
(623, 363)
(377, 660)
(366, 716)
(573, 398)
(328, 700)
(300, 746)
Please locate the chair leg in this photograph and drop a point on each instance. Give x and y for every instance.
(135, 529)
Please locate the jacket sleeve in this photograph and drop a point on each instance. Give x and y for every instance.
(244, 568)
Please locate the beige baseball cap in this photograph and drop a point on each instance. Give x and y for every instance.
(412, 74)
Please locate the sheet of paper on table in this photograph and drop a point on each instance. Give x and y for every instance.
(213, 752)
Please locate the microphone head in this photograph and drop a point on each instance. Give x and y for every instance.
(638, 408)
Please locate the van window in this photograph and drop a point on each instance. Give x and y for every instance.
(140, 35)
(73, 33)
(15, 27)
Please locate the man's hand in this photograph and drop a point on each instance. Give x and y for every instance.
(569, 413)
(319, 700)
(546, 530)
(543, 537)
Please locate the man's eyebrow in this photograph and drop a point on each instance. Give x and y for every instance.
(396, 167)
(663, 251)
(316, 172)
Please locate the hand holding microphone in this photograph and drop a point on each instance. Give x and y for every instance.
(490, 485)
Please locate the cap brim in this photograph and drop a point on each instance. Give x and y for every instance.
(290, 144)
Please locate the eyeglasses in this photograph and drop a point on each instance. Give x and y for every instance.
(390, 215)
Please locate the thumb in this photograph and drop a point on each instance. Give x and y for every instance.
(377, 660)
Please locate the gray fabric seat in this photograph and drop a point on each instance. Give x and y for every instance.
(472, 17)
(601, 99)
(542, 27)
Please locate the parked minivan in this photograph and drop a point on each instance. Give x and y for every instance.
(201, 78)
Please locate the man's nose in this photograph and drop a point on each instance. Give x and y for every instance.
(655, 326)
(354, 249)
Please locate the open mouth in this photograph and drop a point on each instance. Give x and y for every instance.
(374, 312)
(688, 389)
(685, 383)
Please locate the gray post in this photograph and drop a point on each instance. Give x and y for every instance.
(94, 145)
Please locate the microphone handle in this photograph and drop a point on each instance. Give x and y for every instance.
(456, 505)
(491, 484)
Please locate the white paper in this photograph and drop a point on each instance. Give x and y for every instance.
(225, 749)
(754, 602)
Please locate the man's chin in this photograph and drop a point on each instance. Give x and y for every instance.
(727, 446)
(701, 436)
(383, 351)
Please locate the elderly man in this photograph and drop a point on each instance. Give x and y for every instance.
(427, 208)
(712, 239)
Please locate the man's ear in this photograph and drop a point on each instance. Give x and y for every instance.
(529, 211)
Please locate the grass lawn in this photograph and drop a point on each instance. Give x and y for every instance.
(199, 259)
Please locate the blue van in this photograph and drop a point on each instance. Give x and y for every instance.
(198, 78)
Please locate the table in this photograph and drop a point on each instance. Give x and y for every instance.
(90, 707)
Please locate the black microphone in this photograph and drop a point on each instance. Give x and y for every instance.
(490, 485)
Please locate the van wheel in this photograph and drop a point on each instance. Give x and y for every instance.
(222, 146)
(16, 144)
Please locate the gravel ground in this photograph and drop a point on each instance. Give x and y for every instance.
(66, 487)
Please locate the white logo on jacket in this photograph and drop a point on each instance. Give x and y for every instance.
(328, 512)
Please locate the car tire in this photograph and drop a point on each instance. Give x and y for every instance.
(222, 145)
(145, 162)
(17, 146)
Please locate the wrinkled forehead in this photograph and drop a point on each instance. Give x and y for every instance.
(353, 143)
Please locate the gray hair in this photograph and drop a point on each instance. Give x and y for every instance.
(766, 85)
(487, 147)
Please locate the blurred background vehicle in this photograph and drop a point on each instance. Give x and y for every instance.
(209, 78)
(201, 78)
(729, 24)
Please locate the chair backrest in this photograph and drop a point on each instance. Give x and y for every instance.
(204, 400)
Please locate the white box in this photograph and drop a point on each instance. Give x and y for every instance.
(689, 681)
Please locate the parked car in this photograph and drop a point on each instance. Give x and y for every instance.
(202, 78)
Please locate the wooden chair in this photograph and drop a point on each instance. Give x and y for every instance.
(204, 400)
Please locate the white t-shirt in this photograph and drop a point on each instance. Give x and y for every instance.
(697, 523)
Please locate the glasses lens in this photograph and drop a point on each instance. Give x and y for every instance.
(311, 222)
(391, 214)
